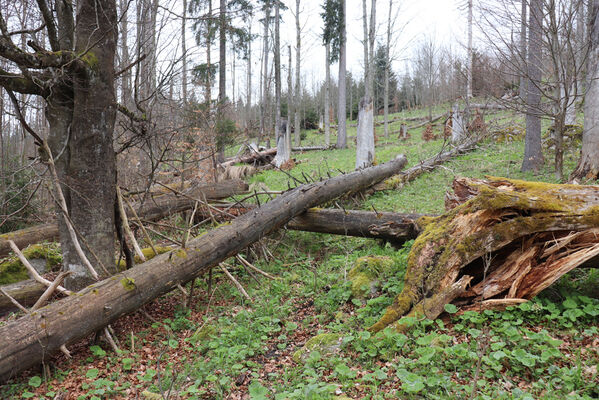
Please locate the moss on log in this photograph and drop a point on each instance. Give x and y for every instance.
(507, 239)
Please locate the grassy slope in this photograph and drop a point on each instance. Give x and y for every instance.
(227, 347)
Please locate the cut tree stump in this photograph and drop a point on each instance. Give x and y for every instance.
(502, 242)
(33, 337)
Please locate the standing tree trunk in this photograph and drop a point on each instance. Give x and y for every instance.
(387, 68)
(365, 133)
(523, 52)
(184, 53)
(533, 154)
(222, 76)
(283, 150)
(327, 96)
(342, 97)
(248, 105)
(588, 166)
(289, 99)
(298, 45)
(264, 105)
(208, 89)
(469, 65)
(125, 58)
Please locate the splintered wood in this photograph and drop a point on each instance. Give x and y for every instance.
(508, 239)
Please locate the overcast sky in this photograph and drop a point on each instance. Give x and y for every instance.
(439, 19)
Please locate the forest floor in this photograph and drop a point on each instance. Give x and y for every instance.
(227, 347)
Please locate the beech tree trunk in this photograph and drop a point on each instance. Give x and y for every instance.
(533, 154)
(283, 145)
(507, 239)
(342, 96)
(32, 338)
(588, 166)
(327, 96)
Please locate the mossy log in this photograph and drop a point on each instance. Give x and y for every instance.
(34, 337)
(152, 210)
(502, 242)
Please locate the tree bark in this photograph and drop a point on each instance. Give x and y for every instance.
(509, 239)
(342, 97)
(533, 154)
(393, 227)
(588, 166)
(298, 44)
(327, 96)
(283, 150)
(523, 51)
(32, 338)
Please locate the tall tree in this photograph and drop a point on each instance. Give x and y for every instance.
(523, 51)
(184, 53)
(298, 45)
(387, 69)
(588, 166)
(327, 96)
(283, 149)
(76, 79)
(533, 155)
(470, 54)
(365, 132)
(341, 107)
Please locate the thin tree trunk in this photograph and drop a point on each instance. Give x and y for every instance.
(289, 99)
(298, 45)
(125, 58)
(248, 117)
(533, 155)
(588, 166)
(208, 90)
(327, 96)
(469, 65)
(342, 97)
(264, 105)
(387, 68)
(283, 151)
(222, 75)
(184, 53)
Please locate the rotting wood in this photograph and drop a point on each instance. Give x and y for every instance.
(510, 239)
(32, 338)
(260, 157)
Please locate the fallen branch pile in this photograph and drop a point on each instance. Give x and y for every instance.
(32, 338)
(502, 243)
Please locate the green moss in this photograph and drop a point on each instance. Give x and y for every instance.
(12, 270)
(366, 274)
(148, 253)
(325, 344)
(181, 253)
(205, 331)
(128, 283)
(90, 59)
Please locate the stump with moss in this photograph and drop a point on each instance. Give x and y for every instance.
(501, 242)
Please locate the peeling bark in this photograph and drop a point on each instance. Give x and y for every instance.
(508, 239)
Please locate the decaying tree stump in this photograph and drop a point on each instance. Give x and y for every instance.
(502, 242)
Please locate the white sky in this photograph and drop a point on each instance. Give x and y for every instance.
(439, 19)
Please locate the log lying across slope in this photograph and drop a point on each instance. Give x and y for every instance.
(427, 165)
(525, 234)
(154, 209)
(30, 339)
(394, 227)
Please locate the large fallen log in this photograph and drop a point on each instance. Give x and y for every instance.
(427, 165)
(393, 227)
(32, 338)
(507, 239)
(152, 210)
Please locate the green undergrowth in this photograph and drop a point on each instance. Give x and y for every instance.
(229, 347)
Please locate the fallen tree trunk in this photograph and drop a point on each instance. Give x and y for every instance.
(32, 338)
(394, 227)
(507, 239)
(261, 157)
(310, 148)
(152, 210)
(25, 292)
(427, 165)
